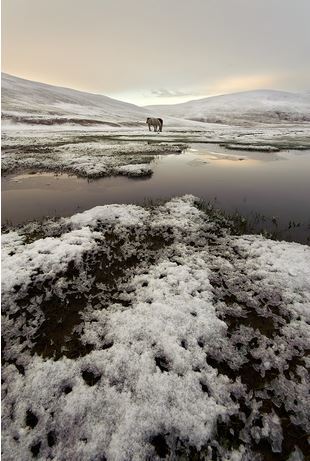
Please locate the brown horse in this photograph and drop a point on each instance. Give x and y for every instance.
(155, 122)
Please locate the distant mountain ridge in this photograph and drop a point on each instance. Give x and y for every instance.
(28, 102)
(31, 102)
(250, 106)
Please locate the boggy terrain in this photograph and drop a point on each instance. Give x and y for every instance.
(153, 333)
(95, 152)
(150, 332)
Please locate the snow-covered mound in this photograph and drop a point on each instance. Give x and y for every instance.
(251, 106)
(147, 334)
(32, 102)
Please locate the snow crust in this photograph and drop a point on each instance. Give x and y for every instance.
(90, 159)
(129, 215)
(166, 371)
(50, 256)
(252, 147)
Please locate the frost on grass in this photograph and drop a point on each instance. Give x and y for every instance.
(135, 170)
(102, 152)
(137, 333)
(90, 159)
(252, 147)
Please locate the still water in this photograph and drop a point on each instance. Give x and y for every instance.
(274, 185)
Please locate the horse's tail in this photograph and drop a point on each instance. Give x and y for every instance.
(161, 124)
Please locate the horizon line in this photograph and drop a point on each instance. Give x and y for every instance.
(201, 97)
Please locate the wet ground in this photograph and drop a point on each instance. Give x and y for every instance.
(271, 189)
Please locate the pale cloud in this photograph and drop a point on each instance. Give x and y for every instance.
(164, 53)
(164, 93)
(145, 98)
(243, 83)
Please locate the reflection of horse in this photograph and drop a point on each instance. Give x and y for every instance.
(156, 123)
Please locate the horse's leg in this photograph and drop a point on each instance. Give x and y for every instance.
(149, 126)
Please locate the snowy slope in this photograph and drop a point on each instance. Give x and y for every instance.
(257, 106)
(33, 102)
(27, 102)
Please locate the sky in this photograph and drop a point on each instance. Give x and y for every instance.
(159, 52)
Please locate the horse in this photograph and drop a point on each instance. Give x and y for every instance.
(155, 122)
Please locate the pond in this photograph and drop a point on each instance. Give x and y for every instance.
(271, 189)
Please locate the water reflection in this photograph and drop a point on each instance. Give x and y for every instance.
(271, 184)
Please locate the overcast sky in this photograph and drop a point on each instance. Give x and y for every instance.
(163, 51)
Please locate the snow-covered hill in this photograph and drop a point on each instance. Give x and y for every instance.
(28, 102)
(265, 106)
(32, 102)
